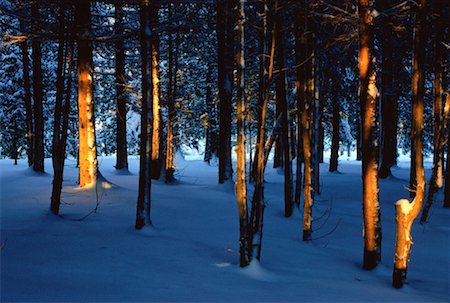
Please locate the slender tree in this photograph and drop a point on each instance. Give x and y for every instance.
(121, 106)
(335, 136)
(368, 102)
(143, 217)
(447, 176)
(408, 211)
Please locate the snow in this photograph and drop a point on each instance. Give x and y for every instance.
(405, 206)
(191, 253)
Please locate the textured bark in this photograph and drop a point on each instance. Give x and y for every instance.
(368, 102)
(335, 136)
(438, 122)
(307, 128)
(241, 185)
(265, 79)
(157, 129)
(388, 135)
(406, 211)
(38, 144)
(121, 109)
(27, 97)
(225, 38)
(282, 104)
(143, 217)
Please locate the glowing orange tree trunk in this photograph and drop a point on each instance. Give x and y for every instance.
(406, 211)
(368, 99)
(86, 120)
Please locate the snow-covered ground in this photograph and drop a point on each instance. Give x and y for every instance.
(191, 253)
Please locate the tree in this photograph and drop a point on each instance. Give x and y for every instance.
(368, 102)
(121, 109)
(38, 148)
(143, 217)
(406, 211)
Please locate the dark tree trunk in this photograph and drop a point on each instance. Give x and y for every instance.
(145, 181)
(211, 134)
(27, 97)
(225, 38)
(335, 136)
(121, 106)
(38, 162)
(282, 105)
(447, 176)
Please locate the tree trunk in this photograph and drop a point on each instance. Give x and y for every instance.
(265, 79)
(388, 133)
(284, 111)
(447, 176)
(438, 98)
(225, 38)
(86, 120)
(145, 181)
(211, 140)
(335, 136)
(157, 129)
(38, 161)
(406, 211)
(368, 102)
(241, 186)
(27, 97)
(121, 106)
(307, 127)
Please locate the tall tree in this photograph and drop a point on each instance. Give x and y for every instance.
(241, 185)
(408, 211)
(121, 106)
(145, 176)
(86, 121)
(38, 161)
(225, 47)
(368, 102)
(335, 136)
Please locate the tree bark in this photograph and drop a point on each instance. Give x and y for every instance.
(121, 100)
(408, 211)
(335, 136)
(143, 217)
(241, 185)
(368, 102)
(27, 97)
(86, 121)
(447, 175)
(38, 161)
(225, 38)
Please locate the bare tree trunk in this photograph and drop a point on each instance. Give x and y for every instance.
(211, 135)
(157, 129)
(335, 136)
(241, 185)
(121, 106)
(283, 107)
(86, 120)
(368, 101)
(143, 217)
(438, 98)
(264, 92)
(408, 211)
(38, 161)
(27, 97)
(225, 38)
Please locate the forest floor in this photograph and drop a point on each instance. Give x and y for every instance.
(191, 254)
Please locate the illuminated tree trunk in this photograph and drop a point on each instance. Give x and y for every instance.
(408, 211)
(368, 102)
(86, 121)
(121, 109)
(335, 136)
(145, 181)
(283, 107)
(438, 98)
(241, 186)
(225, 39)
(38, 161)
(27, 97)
(157, 129)
(307, 125)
